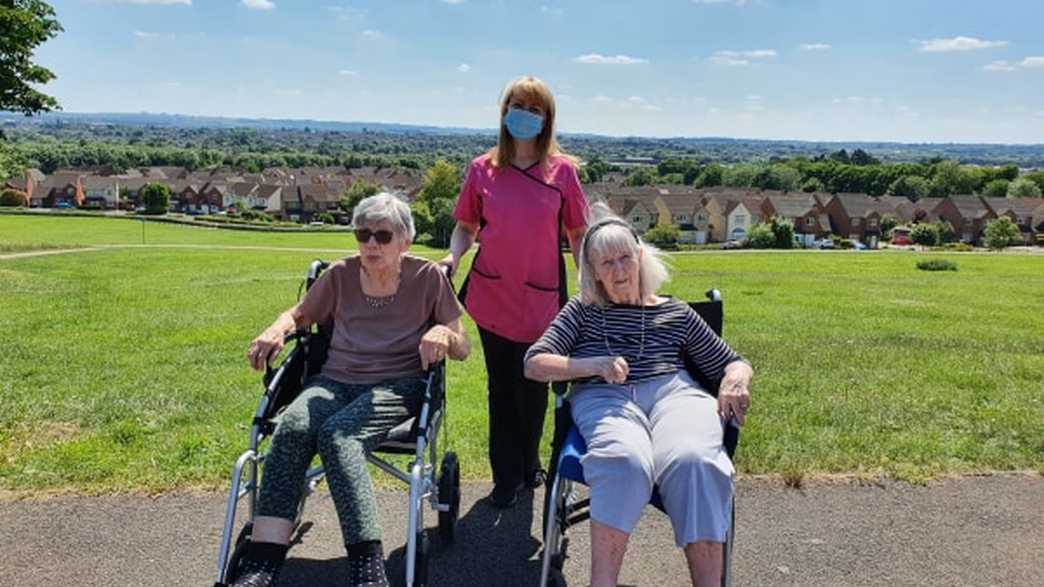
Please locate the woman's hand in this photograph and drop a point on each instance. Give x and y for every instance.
(450, 263)
(733, 395)
(435, 345)
(612, 369)
(265, 348)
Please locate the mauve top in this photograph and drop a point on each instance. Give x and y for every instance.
(370, 345)
(514, 283)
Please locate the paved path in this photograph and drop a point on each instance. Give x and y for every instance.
(971, 531)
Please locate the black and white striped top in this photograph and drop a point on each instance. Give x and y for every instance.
(672, 331)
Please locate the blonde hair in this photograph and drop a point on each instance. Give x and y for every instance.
(531, 89)
(609, 234)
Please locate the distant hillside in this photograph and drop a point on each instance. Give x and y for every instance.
(458, 142)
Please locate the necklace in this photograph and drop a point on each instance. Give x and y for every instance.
(380, 302)
(641, 344)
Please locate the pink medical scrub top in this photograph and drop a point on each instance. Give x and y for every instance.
(514, 283)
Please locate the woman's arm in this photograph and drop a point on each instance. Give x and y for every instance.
(464, 234)
(576, 238)
(734, 392)
(269, 343)
(552, 367)
(444, 340)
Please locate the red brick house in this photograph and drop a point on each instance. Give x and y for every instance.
(968, 215)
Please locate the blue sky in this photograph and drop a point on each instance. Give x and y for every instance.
(915, 71)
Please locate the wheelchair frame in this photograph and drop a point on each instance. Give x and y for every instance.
(564, 507)
(417, 436)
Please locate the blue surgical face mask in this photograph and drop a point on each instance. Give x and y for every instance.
(522, 124)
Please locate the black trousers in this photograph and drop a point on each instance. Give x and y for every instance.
(516, 412)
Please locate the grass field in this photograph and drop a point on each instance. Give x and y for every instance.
(124, 368)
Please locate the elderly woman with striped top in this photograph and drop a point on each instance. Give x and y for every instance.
(644, 419)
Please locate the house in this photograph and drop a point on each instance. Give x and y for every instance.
(211, 198)
(738, 220)
(100, 191)
(58, 189)
(642, 214)
(1038, 219)
(968, 215)
(316, 198)
(680, 209)
(811, 221)
(718, 202)
(239, 192)
(1018, 210)
(857, 217)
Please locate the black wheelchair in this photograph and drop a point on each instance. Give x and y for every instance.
(565, 507)
(417, 436)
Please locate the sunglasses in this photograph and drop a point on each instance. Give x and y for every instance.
(383, 236)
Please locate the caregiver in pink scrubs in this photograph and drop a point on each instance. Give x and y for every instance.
(517, 200)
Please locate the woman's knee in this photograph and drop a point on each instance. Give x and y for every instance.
(626, 471)
(335, 438)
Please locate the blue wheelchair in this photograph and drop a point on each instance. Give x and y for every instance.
(565, 507)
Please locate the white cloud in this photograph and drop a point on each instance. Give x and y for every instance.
(958, 44)
(813, 46)
(145, 35)
(463, 68)
(740, 58)
(1039, 114)
(1032, 62)
(373, 34)
(599, 59)
(999, 66)
(636, 99)
(555, 12)
(452, 1)
(258, 4)
(158, 2)
(602, 98)
(348, 72)
(735, 2)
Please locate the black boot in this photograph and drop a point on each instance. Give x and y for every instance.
(260, 565)
(366, 565)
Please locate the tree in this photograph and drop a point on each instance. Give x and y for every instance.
(640, 177)
(946, 232)
(13, 198)
(911, 187)
(997, 188)
(1023, 188)
(24, 25)
(156, 197)
(782, 232)
(710, 176)
(812, 184)
(355, 193)
(664, 236)
(760, 236)
(1002, 232)
(777, 177)
(740, 176)
(861, 157)
(925, 235)
(888, 222)
(435, 201)
(949, 178)
(1036, 177)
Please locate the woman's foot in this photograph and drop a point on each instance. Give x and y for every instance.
(260, 565)
(502, 498)
(257, 573)
(366, 565)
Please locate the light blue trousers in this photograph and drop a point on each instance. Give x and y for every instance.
(663, 431)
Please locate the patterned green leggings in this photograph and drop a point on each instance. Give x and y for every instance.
(341, 422)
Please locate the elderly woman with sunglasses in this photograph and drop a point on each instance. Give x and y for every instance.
(393, 315)
(644, 419)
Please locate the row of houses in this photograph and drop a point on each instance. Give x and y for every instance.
(291, 193)
(703, 215)
(721, 214)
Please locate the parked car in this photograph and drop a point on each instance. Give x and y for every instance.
(733, 244)
(315, 223)
(64, 206)
(825, 244)
(859, 246)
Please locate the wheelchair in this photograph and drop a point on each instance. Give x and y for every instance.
(565, 507)
(417, 436)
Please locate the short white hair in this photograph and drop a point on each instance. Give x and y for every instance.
(387, 207)
(608, 234)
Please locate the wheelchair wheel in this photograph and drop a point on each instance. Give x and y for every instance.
(232, 567)
(449, 494)
(556, 579)
(420, 568)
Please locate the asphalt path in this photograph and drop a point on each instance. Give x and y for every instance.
(967, 531)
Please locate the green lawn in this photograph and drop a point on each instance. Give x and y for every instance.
(125, 368)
